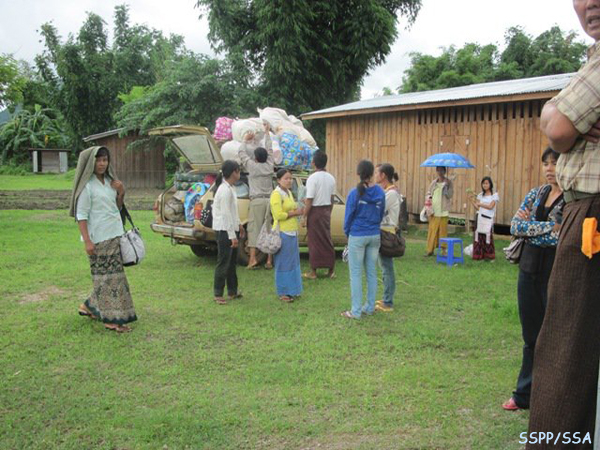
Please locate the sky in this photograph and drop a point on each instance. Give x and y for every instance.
(440, 23)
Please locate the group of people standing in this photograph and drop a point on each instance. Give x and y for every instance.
(276, 204)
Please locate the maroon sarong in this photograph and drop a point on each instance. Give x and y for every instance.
(321, 253)
(483, 250)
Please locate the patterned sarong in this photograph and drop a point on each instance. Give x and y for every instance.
(110, 299)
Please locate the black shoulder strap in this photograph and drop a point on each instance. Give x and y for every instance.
(126, 216)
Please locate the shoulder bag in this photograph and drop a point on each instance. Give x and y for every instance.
(269, 240)
(392, 245)
(133, 249)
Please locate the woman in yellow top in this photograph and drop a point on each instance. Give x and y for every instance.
(285, 211)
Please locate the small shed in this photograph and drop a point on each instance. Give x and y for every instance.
(49, 160)
(495, 125)
(139, 169)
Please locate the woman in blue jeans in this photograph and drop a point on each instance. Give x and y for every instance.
(365, 207)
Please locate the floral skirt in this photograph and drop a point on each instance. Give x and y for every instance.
(110, 299)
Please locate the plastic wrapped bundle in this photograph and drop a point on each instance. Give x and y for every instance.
(223, 130)
(295, 153)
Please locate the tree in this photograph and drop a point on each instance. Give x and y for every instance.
(11, 82)
(552, 52)
(86, 75)
(305, 55)
(42, 128)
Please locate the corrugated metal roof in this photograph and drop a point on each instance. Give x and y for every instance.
(93, 137)
(494, 89)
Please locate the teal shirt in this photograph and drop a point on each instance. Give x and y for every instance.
(97, 204)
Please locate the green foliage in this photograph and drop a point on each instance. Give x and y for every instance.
(305, 55)
(195, 91)
(86, 75)
(11, 82)
(552, 52)
(41, 129)
(136, 93)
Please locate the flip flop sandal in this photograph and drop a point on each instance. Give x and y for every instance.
(268, 266)
(308, 276)
(83, 311)
(238, 295)
(286, 299)
(333, 276)
(253, 267)
(220, 301)
(348, 315)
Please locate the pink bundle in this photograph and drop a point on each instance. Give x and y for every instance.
(223, 129)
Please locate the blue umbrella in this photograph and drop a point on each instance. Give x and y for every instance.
(448, 160)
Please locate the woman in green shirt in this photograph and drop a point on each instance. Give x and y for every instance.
(95, 203)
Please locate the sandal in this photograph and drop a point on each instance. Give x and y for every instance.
(220, 301)
(253, 267)
(238, 295)
(286, 299)
(308, 276)
(117, 328)
(333, 276)
(84, 311)
(268, 266)
(348, 315)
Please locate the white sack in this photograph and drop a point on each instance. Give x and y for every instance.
(230, 150)
(241, 127)
(302, 134)
(296, 121)
(275, 117)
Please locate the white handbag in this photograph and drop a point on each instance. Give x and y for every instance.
(132, 245)
(269, 240)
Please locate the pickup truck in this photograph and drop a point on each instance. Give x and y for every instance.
(196, 145)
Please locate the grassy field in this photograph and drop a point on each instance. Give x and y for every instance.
(37, 181)
(254, 374)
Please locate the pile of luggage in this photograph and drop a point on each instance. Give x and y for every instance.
(293, 145)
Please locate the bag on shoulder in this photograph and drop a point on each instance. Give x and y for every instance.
(206, 217)
(269, 240)
(132, 246)
(513, 252)
(392, 245)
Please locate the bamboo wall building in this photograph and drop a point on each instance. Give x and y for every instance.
(495, 125)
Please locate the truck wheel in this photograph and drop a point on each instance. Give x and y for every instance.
(201, 251)
(243, 255)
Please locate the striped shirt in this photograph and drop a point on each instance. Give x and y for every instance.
(579, 168)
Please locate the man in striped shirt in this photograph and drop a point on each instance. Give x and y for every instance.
(565, 374)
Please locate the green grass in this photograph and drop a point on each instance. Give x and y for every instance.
(36, 181)
(254, 374)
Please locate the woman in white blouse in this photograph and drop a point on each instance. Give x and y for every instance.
(226, 224)
(486, 201)
(96, 200)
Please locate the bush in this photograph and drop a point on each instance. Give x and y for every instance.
(11, 168)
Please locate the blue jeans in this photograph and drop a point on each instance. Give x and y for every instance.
(363, 251)
(389, 279)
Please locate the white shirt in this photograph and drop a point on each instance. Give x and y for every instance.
(225, 210)
(320, 186)
(392, 209)
(486, 200)
(97, 204)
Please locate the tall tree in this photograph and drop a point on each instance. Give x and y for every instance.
(552, 52)
(86, 75)
(305, 55)
(12, 82)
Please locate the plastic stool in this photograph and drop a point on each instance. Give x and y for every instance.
(450, 259)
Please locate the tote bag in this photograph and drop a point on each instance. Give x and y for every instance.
(132, 246)
(269, 240)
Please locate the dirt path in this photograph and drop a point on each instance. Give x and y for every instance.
(142, 199)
